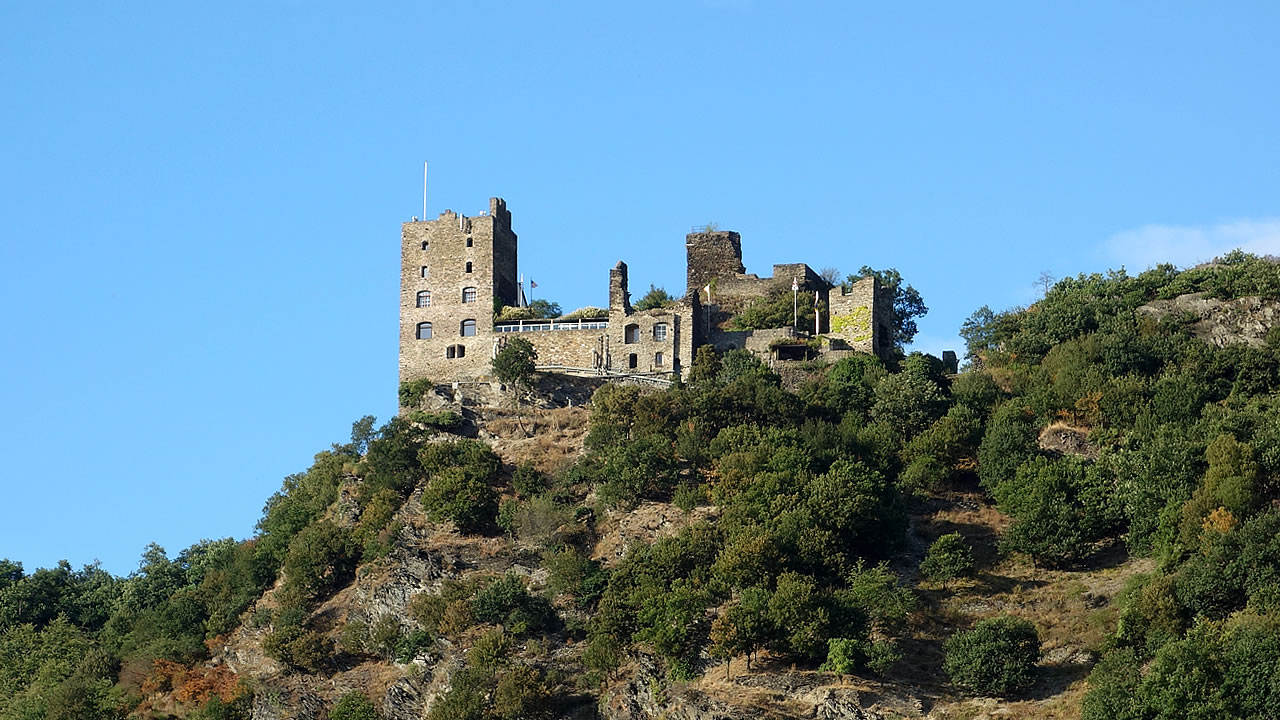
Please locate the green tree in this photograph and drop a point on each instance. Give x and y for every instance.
(322, 558)
(655, 298)
(545, 308)
(516, 364)
(996, 657)
(948, 558)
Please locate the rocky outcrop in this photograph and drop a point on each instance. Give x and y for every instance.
(1245, 320)
(646, 695)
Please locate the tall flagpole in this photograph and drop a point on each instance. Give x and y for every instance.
(424, 191)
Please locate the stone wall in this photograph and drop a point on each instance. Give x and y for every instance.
(711, 254)
(649, 340)
(459, 253)
(853, 317)
(573, 348)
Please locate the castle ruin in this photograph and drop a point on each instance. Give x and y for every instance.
(455, 271)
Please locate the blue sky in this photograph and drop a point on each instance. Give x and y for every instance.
(201, 201)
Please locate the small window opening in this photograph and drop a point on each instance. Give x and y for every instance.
(632, 361)
(424, 244)
(424, 331)
(455, 351)
(424, 271)
(660, 331)
(631, 335)
(468, 242)
(468, 266)
(468, 295)
(424, 298)
(657, 359)
(468, 328)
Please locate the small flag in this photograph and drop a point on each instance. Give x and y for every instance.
(794, 285)
(532, 284)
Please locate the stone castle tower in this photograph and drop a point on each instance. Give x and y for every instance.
(452, 269)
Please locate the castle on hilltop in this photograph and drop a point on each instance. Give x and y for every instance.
(455, 271)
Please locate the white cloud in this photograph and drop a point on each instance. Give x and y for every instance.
(1184, 246)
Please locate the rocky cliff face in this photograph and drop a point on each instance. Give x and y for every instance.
(1244, 320)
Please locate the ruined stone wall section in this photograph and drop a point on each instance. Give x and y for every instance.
(633, 334)
(854, 319)
(712, 254)
(757, 341)
(619, 292)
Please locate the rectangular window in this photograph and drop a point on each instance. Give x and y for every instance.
(468, 295)
(657, 359)
(424, 271)
(660, 331)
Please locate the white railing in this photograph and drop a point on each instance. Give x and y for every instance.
(512, 326)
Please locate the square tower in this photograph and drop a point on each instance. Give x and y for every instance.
(452, 270)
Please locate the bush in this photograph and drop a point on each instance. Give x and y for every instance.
(455, 495)
(586, 313)
(447, 420)
(294, 645)
(505, 601)
(948, 558)
(412, 392)
(997, 657)
(322, 558)
(355, 705)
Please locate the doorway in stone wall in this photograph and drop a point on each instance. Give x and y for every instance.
(632, 360)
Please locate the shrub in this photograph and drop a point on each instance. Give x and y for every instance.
(528, 481)
(294, 645)
(996, 657)
(355, 705)
(948, 558)
(412, 392)
(322, 558)
(586, 313)
(455, 495)
(447, 420)
(505, 601)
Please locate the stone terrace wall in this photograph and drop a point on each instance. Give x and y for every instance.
(574, 348)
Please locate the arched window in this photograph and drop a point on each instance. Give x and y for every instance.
(468, 328)
(468, 242)
(631, 335)
(424, 271)
(424, 244)
(660, 332)
(424, 298)
(424, 331)
(468, 295)
(468, 266)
